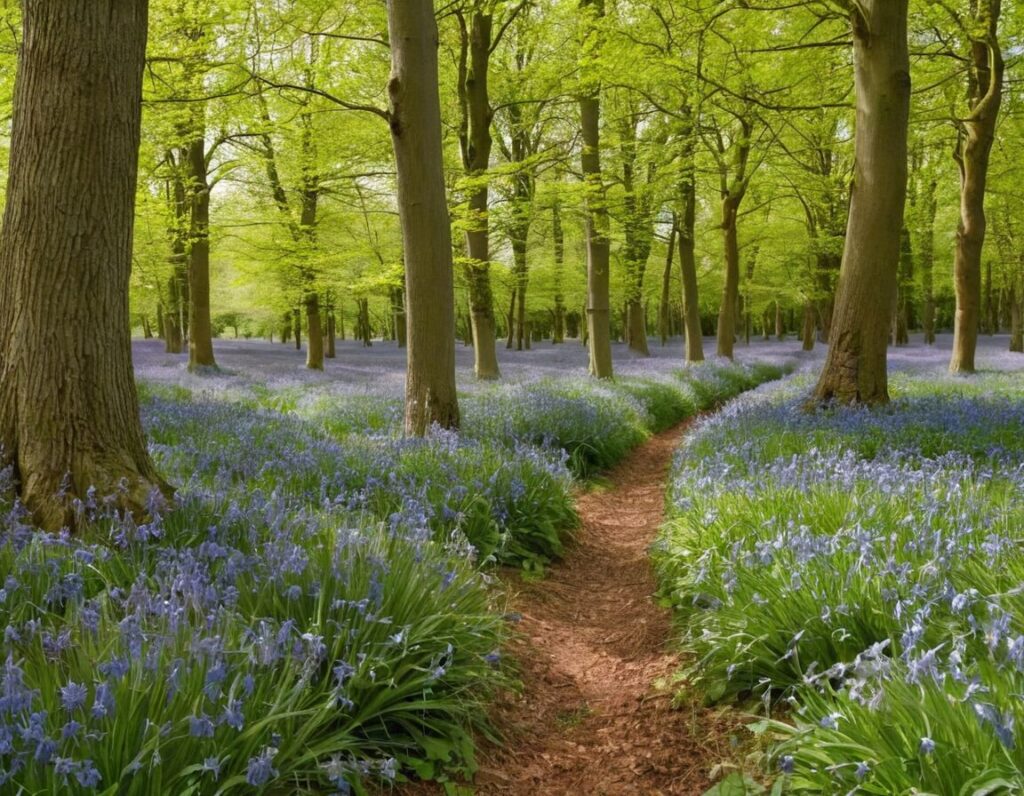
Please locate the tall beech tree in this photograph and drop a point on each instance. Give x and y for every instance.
(856, 369)
(69, 415)
(686, 137)
(731, 150)
(638, 223)
(597, 220)
(476, 26)
(975, 136)
(415, 121)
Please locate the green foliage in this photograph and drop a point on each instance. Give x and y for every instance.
(861, 566)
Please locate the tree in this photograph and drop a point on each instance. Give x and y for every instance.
(415, 121)
(734, 180)
(856, 369)
(476, 143)
(598, 245)
(69, 415)
(975, 136)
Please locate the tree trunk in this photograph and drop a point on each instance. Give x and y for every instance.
(1016, 324)
(476, 144)
(398, 308)
(990, 323)
(665, 305)
(687, 238)
(177, 285)
(558, 332)
(974, 147)
(200, 339)
(809, 327)
(904, 294)
(855, 370)
(734, 184)
(297, 327)
(364, 331)
(748, 282)
(147, 330)
(521, 275)
(597, 222)
(926, 250)
(780, 324)
(730, 290)
(69, 415)
(315, 347)
(510, 340)
(332, 349)
(639, 237)
(415, 120)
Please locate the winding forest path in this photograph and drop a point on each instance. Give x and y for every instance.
(593, 645)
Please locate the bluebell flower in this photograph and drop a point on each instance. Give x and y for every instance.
(212, 765)
(200, 726)
(73, 696)
(260, 769)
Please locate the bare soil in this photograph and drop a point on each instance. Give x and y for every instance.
(597, 663)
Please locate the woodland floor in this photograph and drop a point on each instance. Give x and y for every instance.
(595, 651)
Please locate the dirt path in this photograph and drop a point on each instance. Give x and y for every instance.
(591, 719)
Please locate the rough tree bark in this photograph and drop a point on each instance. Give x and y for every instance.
(809, 326)
(687, 236)
(855, 370)
(177, 284)
(904, 291)
(558, 236)
(974, 147)
(200, 338)
(69, 415)
(926, 258)
(518, 151)
(398, 310)
(476, 144)
(639, 236)
(415, 121)
(665, 305)
(597, 222)
(734, 184)
(331, 351)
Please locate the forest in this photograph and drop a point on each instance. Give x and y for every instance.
(511, 397)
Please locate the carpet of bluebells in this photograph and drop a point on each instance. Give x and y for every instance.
(858, 575)
(313, 612)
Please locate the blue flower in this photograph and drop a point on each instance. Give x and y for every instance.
(73, 696)
(260, 769)
(200, 726)
(212, 765)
